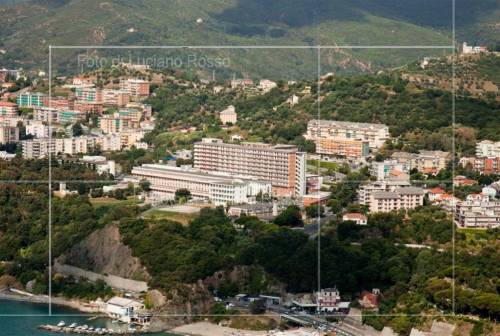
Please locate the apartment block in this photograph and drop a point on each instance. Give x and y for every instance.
(115, 97)
(89, 94)
(38, 129)
(478, 211)
(46, 114)
(8, 109)
(283, 165)
(391, 184)
(117, 123)
(374, 134)
(383, 169)
(228, 115)
(32, 99)
(135, 87)
(9, 134)
(349, 149)
(220, 189)
(429, 162)
(488, 149)
(400, 199)
(70, 117)
(484, 165)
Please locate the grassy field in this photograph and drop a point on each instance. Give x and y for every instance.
(324, 164)
(106, 202)
(182, 218)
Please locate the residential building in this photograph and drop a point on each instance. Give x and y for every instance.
(374, 134)
(135, 87)
(484, 165)
(358, 218)
(267, 85)
(220, 189)
(390, 184)
(38, 148)
(134, 114)
(349, 149)
(283, 165)
(88, 107)
(241, 83)
(6, 156)
(478, 211)
(435, 194)
(8, 109)
(88, 94)
(38, 129)
(100, 164)
(400, 199)
(32, 99)
(488, 149)
(8, 134)
(428, 162)
(462, 181)
(48, 115)
(115, 97)
(61, 103)
(117, 123)
(228, 116)
(383, 169)
(466, 49)
(70, 117)
(123, 309)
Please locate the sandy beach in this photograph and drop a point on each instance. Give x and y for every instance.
(210, 329)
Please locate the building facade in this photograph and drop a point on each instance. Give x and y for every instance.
(374, 134)
(283, 165)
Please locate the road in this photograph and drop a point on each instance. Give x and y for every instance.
(318, 322)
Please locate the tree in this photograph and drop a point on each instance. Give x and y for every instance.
(315, 211)
(145, 185)
(289, 217)
(77, 129)
(182, 195)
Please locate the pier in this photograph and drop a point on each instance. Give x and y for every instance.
(88, 331)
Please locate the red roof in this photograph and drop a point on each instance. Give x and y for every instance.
(8, 104)
(355, 215)
(436, 191)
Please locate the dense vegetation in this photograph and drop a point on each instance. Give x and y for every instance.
(413, 280)
(420, 117)
(24, 218)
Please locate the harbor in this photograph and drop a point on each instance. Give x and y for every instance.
(74, 328)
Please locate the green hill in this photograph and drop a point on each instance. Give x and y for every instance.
(29, 27)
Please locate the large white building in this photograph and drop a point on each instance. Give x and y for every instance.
(123, 309)
(487, 148)
(374, 134)
(400, 199)
(366, 191)
(478, 211)
(220, 189)
(283, 165)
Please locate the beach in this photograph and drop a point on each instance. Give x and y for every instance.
(210, 329)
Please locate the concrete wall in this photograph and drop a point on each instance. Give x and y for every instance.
(112, 280)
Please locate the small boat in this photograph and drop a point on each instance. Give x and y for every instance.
(61, 324)
(73, 325)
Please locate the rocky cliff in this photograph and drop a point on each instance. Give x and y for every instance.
(103, 252)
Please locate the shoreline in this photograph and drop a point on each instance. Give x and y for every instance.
(89, 308)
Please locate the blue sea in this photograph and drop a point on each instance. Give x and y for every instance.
(23, 319)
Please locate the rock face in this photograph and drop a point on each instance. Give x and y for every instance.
(181, 305)
(103, 252)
